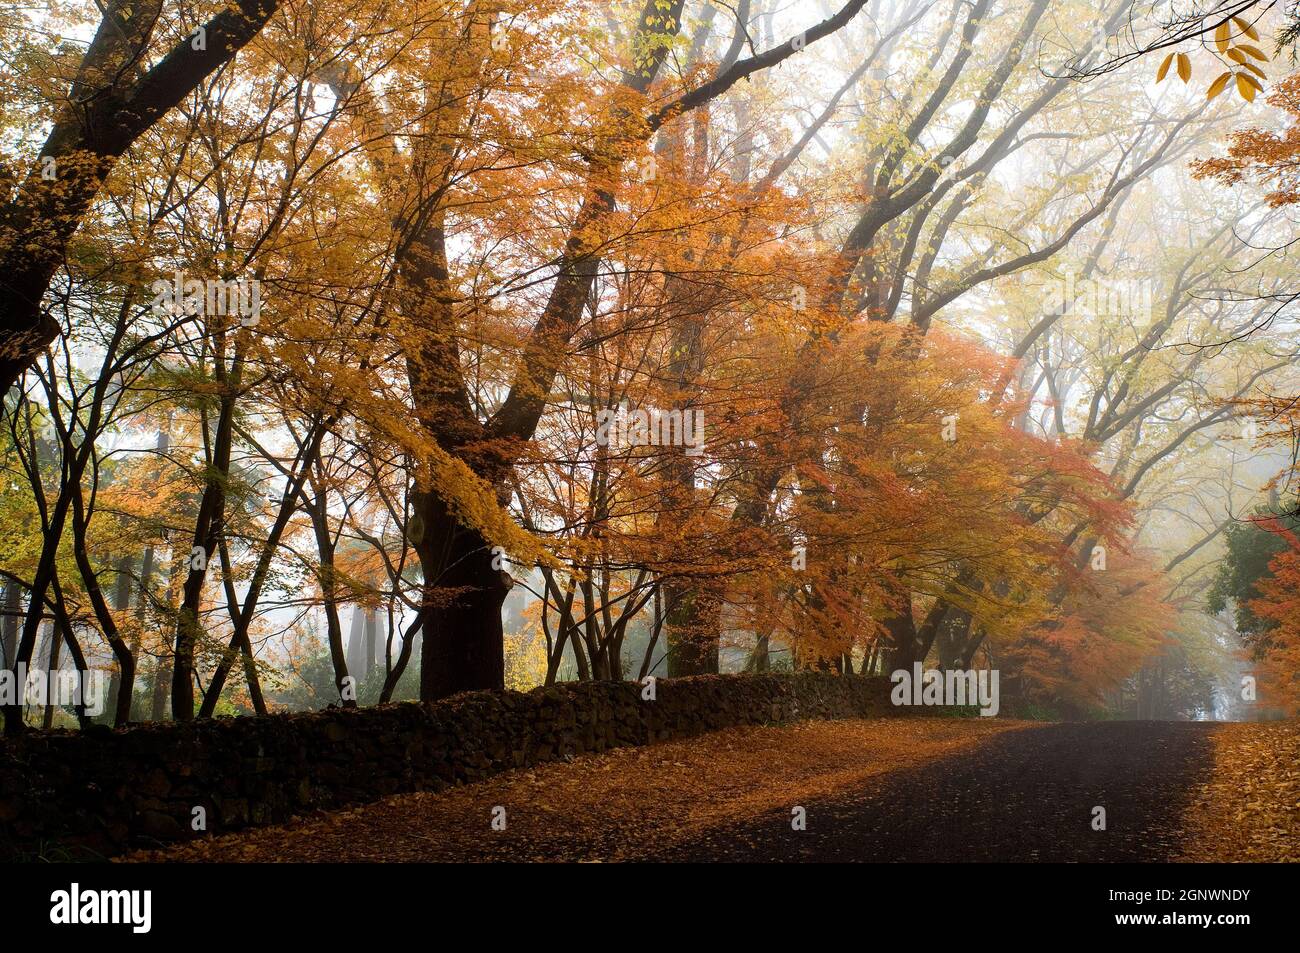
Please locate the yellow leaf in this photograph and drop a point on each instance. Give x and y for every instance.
(1255, 69)
(1218, 86)
(1254, 51)
(1164, 67)
(1250, 79)
(1221, 36)
(1246, 28)
(1245, 87)
(1236, 55)
(1184, 67)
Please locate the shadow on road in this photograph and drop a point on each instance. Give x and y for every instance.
(1024, 796)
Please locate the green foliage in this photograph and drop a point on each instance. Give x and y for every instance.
(312, 686)
(1249, 548)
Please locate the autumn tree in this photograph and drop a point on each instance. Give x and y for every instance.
(142, 62)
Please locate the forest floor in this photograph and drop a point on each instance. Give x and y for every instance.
(914, 789)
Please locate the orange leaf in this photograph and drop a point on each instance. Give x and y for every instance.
(1246, 28)
(1164, 67)
(1221, 36)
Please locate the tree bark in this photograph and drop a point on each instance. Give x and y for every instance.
(693, 630)
(208, 527)
(9, 622)
(462, 614)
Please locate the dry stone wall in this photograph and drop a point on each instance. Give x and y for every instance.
(66, 794)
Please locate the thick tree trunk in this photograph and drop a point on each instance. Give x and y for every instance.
(903, 650)
(162, 679)
(693, 630)
(463, 647)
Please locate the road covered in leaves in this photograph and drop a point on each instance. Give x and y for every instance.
(879, 790)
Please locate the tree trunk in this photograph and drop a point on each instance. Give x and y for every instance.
(355, 646)
(463, 647)
(78, 657)
(51, 674)
(9, 623)
(371, 642)
(208, 528)
(344, 683)
(44, 576)
(693, 630)
(162, 679)
(403, 657)
(121, 602)
(902, 636)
